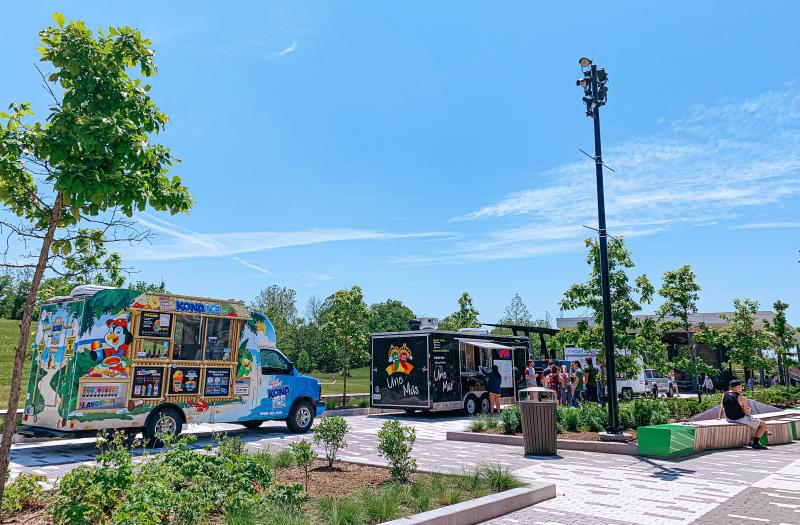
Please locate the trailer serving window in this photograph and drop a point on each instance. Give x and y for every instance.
(474, 357)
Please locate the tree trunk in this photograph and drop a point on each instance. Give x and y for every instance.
(22, 345)
(345, 372)
(695, 380)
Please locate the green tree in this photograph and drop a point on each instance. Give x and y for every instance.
(781, 337)
(743, 341)
(389, 316)
(279, 304)
(14, 289)
(639, 337)
(465, 317)
(680, 292)
(88, 166)
(345, 326)
(144, 286)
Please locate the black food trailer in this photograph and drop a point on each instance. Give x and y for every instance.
(434, 370)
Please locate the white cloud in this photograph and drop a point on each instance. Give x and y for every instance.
(253, 266)
(288, 50)
(768, 225)
(177, 242)
(711, 167)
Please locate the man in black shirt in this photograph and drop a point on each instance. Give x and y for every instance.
(735, 409)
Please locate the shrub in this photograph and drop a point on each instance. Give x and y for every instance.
(287, 496)
(659, 414)
(283, 458)
(642, 410)
(511, 420)
(379, 506)
(572, 419)
(330, 432)
(492, 421)
(24, 493)
(626, 419)
(395, 443)
(304, 457)
(343, 511)
(330, 403)
(593, 417)
(363, 402)
(476, 424)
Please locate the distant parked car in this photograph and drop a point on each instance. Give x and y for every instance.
(656, 384)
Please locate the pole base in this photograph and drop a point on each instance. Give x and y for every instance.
(619, 436)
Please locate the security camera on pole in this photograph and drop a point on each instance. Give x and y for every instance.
(594, 95)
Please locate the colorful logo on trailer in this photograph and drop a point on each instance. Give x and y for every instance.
(399, 360)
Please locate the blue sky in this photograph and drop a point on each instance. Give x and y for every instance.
(421, 149)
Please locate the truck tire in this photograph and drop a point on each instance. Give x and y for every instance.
(252, 424)
(471, 405)
(301, 417)
(164, 421)
(485, 404)
(627, 394)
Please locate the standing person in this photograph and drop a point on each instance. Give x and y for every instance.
(493, 387)
(579, 387)
(564, 386)
(735, 409)
(546, 376)
(530, 374)
(672, 383)
(591, 380)
(553, 381)
(601, 384)
(708, 385)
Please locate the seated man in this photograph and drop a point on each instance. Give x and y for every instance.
(736, 410)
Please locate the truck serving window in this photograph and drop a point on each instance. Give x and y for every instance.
(218, 339)
(187, 339)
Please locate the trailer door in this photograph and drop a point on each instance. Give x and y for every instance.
(400, 375)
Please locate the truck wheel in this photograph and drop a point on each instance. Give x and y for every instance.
(471, 405)
(627, 394)
(410, 410)
(301, 417)
(252, 424)
(485, 404)
(166, 421)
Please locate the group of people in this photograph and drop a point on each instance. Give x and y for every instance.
(571, 386)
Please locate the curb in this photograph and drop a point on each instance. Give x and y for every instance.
(482, 509)
(605, 447)
(345, 412)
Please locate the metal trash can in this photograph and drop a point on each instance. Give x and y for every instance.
(538, 412)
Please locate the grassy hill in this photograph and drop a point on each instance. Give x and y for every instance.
(357, 383)
(9, 335)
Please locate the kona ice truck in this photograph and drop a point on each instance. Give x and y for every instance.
(110, 358)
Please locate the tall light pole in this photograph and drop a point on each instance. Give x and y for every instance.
(594, 95)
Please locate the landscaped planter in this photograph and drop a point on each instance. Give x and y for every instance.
(629, 449)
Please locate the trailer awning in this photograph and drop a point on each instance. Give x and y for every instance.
(485, 344)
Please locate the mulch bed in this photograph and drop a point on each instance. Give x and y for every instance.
(344, 479)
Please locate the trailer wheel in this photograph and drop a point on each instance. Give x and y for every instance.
(410, 410)
(627, 394)
(485, 406)
(166, 421)
(301, 417)
(252, 424)
(471, 405)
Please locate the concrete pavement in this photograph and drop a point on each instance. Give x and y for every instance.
(731, 486)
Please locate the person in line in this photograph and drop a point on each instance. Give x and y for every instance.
(530, 374)
(708, 385)
(564, 387)
(578, 387)
(735, 409)
(546, 376)
(554, 381)
(591, 381)
(493, 387)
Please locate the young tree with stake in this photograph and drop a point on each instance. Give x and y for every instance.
(74, 180)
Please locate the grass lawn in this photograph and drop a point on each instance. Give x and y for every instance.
(9, 335)
(357, 383)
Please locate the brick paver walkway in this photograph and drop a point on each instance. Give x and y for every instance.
(723, 487)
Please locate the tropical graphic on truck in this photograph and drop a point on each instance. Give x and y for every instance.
(122, 359)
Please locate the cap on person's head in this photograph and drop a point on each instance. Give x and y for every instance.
(734, 383)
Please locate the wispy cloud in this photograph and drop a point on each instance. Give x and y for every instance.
(769, 225)
(709, 167)
(254, 266)
(176, 242)
(291, 48)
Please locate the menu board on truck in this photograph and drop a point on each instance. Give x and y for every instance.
(102, 396)
(155, 324)
(217, 382)
(148, 382)
(184, 380)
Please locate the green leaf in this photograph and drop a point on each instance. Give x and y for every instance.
(53, 77)
(59, 18)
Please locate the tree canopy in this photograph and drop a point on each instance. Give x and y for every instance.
(465, 317)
